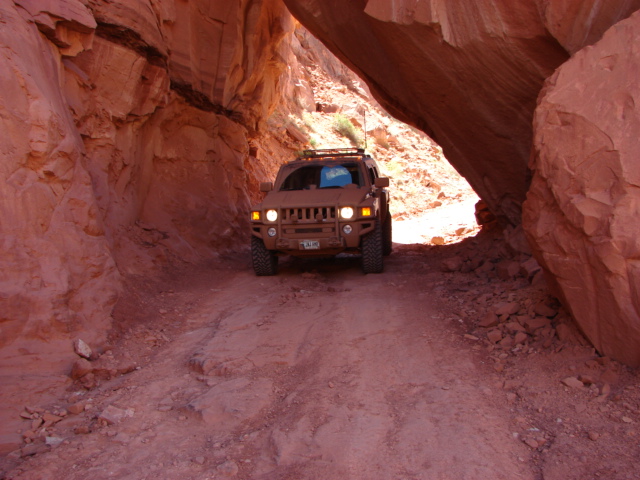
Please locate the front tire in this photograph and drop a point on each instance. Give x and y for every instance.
(265, 262)
(387, 241)
(372, 251)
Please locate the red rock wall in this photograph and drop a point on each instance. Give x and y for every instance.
(582, 211)
(126, 140)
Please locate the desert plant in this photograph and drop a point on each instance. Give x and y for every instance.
(344, 127)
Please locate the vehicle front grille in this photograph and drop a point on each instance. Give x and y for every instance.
(306, 215)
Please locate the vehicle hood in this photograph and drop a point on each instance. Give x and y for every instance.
(311, 198)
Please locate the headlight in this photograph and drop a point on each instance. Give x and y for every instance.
(272, 232)
(347, 229)
(346, 213)
(272, 215)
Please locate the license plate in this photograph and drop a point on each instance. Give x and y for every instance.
(309, 245)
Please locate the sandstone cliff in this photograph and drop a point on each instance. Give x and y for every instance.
(127, 130)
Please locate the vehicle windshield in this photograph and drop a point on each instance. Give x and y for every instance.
(323, 176)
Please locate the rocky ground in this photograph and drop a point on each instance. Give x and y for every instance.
(452, 364)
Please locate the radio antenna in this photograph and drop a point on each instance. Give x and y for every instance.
(364, 114)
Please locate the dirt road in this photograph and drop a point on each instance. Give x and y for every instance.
(318, 373)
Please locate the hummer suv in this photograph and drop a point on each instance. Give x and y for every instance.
(325, 202)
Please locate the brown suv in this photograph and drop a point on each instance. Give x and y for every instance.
(323, 203)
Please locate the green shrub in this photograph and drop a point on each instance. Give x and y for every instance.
(344, 127)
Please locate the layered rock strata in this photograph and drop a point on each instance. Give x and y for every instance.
(126, 139)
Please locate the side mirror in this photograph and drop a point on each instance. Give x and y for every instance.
(266, 186)
(381, 182)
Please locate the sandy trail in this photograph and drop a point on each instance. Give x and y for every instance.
(330, 374)
(322, 372)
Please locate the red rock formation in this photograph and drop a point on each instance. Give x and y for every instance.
(125, 136)
(58, 274)
(583, 207)
(467, 73)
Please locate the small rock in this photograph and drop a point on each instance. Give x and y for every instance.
(112, 415)
(572, 382)
(437, 241)
(544, 310)
(80, 368)
(514, 327)
(627, 420)
(507, 308)
(587, 379)
(452, 264)
(494, 336)
(50, 419)
(53, 441)
(520, 338)
(489, 320)
(594, 436)
(76, 408)
(532, 442)
(536, 323)
(34, 449)
(563, 331)
(529, 268)
(82, 349)
(33, 410)
(199, 460)
(228, 469)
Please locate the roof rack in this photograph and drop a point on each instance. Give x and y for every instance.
(332, 152)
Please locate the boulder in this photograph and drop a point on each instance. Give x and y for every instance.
(582, 210)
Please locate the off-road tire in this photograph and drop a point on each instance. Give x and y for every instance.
(387, 242)
(265, 262)
(372, 251)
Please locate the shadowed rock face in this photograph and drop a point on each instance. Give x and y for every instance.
(126, 128)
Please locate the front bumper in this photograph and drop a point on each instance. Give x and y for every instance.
(313, 238)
